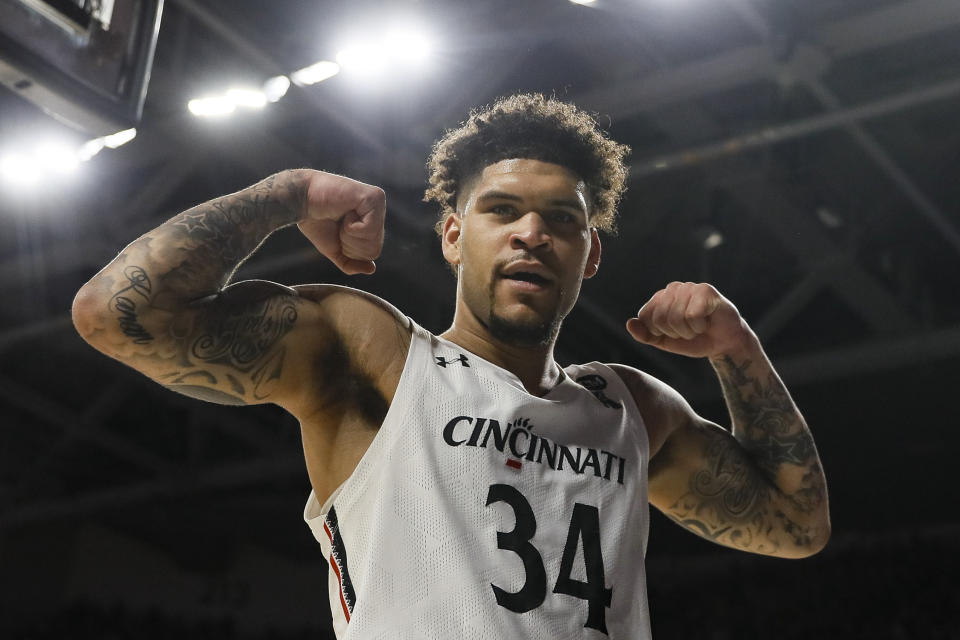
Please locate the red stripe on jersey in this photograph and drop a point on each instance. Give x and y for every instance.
(515, 464)
(336, 570)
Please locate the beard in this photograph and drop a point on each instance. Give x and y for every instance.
(522, 333)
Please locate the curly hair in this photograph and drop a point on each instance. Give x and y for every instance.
(537, 128)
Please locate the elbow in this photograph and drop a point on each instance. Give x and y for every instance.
(87, 312)
(815, 541)
(81, 311)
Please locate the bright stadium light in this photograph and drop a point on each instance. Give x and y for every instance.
(408, 44)
(91, 148)
(276, 87)
(365, 58)
(248, 98)
(119, 138)
(19, 169)
(317, 72)
(582, 1)
(56, 157)
(398, 45)
(211, 106)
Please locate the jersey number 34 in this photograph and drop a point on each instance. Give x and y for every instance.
(585, 527)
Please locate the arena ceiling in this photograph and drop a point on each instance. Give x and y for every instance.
(817, 139)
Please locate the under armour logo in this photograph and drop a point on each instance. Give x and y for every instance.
(443, 362)
(596, 384)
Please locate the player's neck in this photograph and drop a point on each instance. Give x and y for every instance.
(533, 365)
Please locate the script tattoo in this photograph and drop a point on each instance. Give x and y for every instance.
(726, 498)
(240, 340)
(125, 301)
(246, 341)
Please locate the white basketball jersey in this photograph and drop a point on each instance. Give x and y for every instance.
(483, 512)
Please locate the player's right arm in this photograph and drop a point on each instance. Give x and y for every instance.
(165, 307)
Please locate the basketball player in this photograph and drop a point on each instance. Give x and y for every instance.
(465, 485)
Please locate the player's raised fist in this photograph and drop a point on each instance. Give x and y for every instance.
(690, 319)
(344, 220)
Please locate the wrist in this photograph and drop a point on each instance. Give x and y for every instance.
(289, 188)
(742, 344)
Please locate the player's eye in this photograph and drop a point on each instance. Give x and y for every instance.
(504, 209)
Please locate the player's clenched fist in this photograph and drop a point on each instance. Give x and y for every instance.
(690, 319)
(344, 220)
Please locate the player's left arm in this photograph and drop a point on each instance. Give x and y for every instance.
(759, 487)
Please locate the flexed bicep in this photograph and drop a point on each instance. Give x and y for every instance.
(245, 345)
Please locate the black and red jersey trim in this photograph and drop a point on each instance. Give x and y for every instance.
(338, 562)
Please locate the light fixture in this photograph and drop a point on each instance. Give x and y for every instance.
(402, 44)
(364, 58)
(56, 157)
(119, 138)
(276, 87)
(19, 169)
(211, 106)
(317, 72)
(248, 98)
(91, 148)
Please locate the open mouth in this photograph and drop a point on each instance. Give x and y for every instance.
(524, 276)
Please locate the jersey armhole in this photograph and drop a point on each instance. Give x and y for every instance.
(630, 404)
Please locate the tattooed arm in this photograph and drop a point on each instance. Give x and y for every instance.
(759, 487)
(164, 306)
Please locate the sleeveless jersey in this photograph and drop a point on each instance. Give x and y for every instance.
(480, 511)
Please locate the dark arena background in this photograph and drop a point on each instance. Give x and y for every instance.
(801, 155)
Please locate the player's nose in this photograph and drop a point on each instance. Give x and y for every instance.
(530, 232)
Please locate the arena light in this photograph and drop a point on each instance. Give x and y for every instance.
(211, 106)
(582, 1)
(317, 72)
(247, 98)
(364, 58)
(19, 169)
(90, 148)
(119, 138)
(408, 44)
(56, 158)
(276, 87)
(402, 45)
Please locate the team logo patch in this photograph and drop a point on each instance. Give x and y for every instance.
(443, 362)
(596, 384)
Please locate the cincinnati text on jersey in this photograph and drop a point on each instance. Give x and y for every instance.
(517, 439)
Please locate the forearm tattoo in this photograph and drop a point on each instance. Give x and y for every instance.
(768, 426)
(216, 237)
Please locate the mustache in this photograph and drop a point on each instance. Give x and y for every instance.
(523, 256)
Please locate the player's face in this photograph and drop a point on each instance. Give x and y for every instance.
(522, 244)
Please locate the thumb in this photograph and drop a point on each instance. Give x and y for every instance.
(640, 333)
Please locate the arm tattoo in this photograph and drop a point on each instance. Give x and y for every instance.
(770, 429)
(173, 281)
(729, 502)
(125, 301)
(214, 238)
(245, 340)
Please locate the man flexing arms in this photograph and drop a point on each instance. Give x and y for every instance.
(465, 485)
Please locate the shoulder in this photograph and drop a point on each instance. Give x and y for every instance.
(345, 303)
(663, 408)
(367, 326)
(347, 335)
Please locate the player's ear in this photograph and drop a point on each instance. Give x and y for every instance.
(593, 258)
(451, 239)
